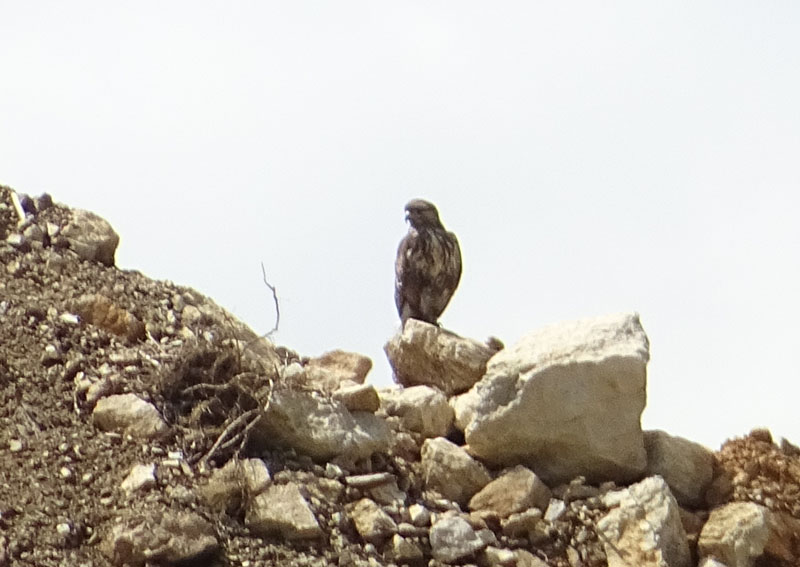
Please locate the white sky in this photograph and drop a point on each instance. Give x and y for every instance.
(592, 157)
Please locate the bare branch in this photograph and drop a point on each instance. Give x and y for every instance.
(275, 298)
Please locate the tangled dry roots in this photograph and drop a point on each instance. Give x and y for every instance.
(215, 399)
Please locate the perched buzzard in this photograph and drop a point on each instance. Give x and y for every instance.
(428, 265)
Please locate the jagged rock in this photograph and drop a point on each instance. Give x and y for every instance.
(421, 408)
(128, 413)
(405, 552)
(91, 237)
(372, 523)
(358, 397)
(282, 510)
(687, 467)
(521, 524)
(160, 538)
(321, 428)
(420, 516)
(223, 491)
(555, 509)
(424, 354)
(645, 529)
(141, 477)
(254, 474)
(784, 538)
(514, 491)
(453, 539)
(388, 494)
(566, 402)
(100, 311)
(238, 482)
(450, 471)
(327, 372)
(735, 534)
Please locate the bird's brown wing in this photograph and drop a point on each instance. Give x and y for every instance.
(444, 274)
(407, 281)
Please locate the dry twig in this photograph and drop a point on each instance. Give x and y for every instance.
(275, 298)
(250, 418)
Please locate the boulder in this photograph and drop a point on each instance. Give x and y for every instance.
(514, 491)
(735, 534)
(421, 408)
(327, 372)
(320, 427)
(129, 414)
(449, 470)
(424, 354)
(565, 401)
(645, 528)
(282, 510)
(91, 237)
(687, 467)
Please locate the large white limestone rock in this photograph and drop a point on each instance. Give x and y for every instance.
(424, 354)
(645, 528)
(565, 401)
(321, 427)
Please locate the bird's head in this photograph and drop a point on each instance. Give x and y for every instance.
(422, 214)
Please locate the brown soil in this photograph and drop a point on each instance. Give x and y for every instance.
(60, 476)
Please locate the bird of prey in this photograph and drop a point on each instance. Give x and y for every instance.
(428, 265)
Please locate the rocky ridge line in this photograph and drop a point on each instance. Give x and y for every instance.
(142, 424)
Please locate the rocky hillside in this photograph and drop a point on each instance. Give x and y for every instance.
(144, 425)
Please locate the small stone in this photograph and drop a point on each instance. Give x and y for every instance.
(141, 477)
(281, 509)
(333, 471)
(420, 516)
(369, 480)
(63, 529)
(555, 510)
(451, 471)
(500, 557)
(453, 539)
(358, 397)
(15, 445)
(129, 414)
(405, 551)
(372, 523)
(515, 491)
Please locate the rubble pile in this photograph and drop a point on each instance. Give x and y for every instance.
(144, 425)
